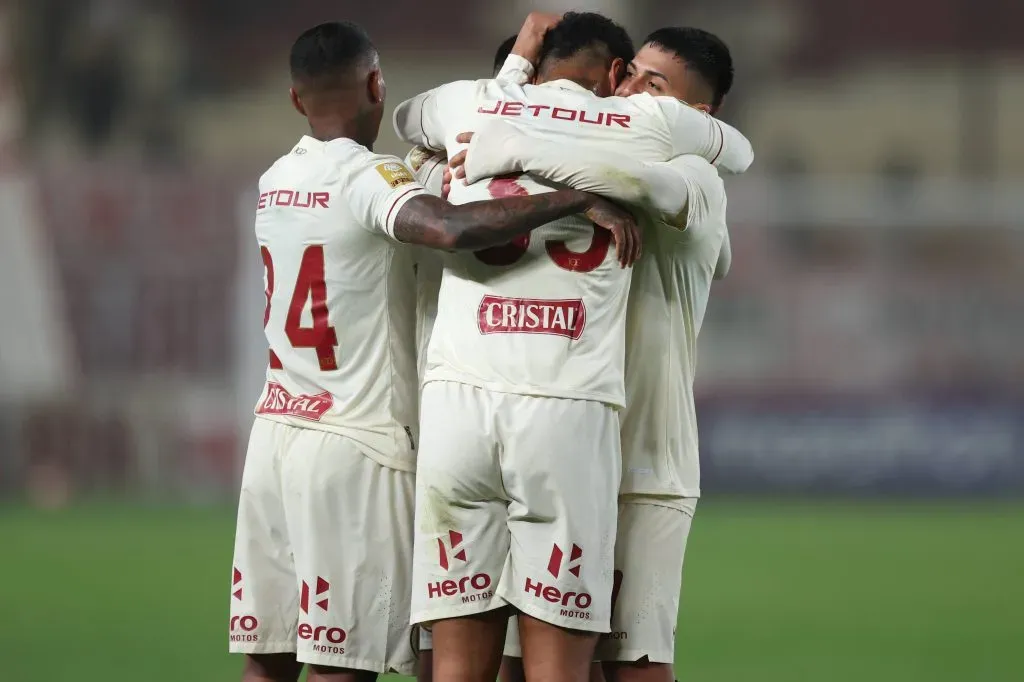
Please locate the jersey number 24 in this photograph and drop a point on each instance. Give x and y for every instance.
(309, 287)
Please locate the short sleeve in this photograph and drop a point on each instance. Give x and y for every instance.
(517, 70)
(377, 189)
(428, 168)
(423, 119)
(694, 132)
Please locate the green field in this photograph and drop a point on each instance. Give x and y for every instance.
(774, 593)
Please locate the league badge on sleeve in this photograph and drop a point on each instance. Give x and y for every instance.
(395, 174)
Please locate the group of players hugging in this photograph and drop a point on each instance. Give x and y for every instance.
(476, 450)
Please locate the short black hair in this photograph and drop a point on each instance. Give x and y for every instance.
(504, 50)
(578, 31)
(703, 52)
(328, 48)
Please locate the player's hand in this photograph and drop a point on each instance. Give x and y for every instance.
(446, 183)
(457, 163)
(493, 150)
(623, 226)
(531, 35)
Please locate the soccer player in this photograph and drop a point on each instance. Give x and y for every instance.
(323, 543)
(516, 500)
(428, 167)
(687, 248)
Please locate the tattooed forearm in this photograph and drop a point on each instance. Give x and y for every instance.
(486, 223)
(432, 222)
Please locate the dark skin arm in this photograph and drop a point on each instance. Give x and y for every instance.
(432, 222)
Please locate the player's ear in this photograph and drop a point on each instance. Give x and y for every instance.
(296, 102)
(617, 73)
(376, 88)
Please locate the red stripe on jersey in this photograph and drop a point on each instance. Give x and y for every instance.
(721, 142)
(387, 221)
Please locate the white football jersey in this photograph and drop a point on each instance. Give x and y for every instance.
(428, 168)
(546, 315)
(647, 128)
(669, 296)
(340, 313)
(686, 246)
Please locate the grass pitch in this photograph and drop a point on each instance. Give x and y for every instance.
(774, 592)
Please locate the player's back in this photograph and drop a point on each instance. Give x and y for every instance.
(340, 303)
(668, 299)
(546, 315)
(560, 111)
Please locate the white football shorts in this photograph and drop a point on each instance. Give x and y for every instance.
(323, 553)
(515, 504)
(649, 550)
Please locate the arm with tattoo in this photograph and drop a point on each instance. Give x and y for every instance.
(433, 222)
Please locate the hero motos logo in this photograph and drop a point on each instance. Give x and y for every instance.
(242, 629)
(576, 603)
(471, 587)
(279, 401)
(325, 639)
(454, 549)
(575, 559)
(322, 588)
(236, 583)
(562, 317)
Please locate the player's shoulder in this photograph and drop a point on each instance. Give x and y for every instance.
(353, 161)
(285, 165)
(471, 89)
(642, 101)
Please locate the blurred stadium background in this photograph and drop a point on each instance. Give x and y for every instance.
(862, 370)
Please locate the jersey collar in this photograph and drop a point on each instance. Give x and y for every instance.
(565, 84)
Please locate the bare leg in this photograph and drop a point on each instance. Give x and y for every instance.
(555, 654)
(468, 649)
(271, 668)
(511, 670)
(425, 671)
(320, 673)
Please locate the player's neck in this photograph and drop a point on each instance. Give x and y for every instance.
(558, 73)
(329, 128)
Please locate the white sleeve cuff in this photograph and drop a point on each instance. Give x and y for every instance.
(395, 206)
(516, 69)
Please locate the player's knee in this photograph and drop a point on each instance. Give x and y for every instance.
(271, 668)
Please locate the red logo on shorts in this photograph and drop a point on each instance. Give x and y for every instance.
(236, 583)
(454, 549)
(242, 629)
(575, 559)
(565, 317)
(322, 588)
